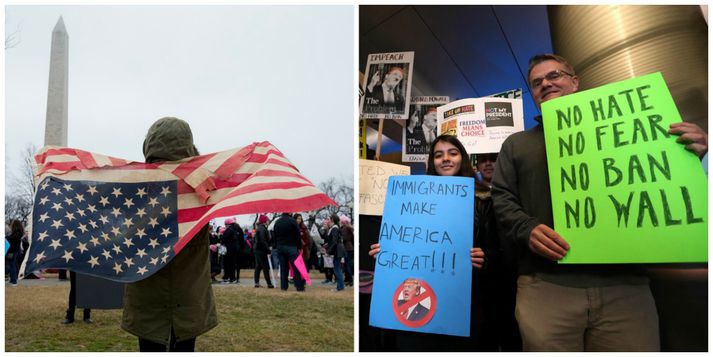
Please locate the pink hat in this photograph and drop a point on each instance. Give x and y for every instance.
(213, 248)
(262, 219)
(344, 220)
(230, 220)
(222, 229)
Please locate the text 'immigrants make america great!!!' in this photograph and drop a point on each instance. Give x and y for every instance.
(423, 271)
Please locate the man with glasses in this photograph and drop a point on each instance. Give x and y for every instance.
(568, 307)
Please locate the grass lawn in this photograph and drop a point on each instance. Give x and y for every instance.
(249, 320)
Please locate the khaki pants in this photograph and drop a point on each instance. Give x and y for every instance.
(612, 318)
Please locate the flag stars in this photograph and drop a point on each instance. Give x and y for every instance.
(39, 257)
(42, 236)
(44, 200)
(116, 249)
(93, 261)
(80, 212)
(141, 192)
(164, 258)
(165, 191)
(116, 192)
(79, 197)
(92, 208)
(104, 219)
(57, 206)
(142, 270)
(127, 222)
(128, 202)
(67, 256)
(44, 185)
(43, 217)
(82, 247)
(129, 262)
(153, 222)
(116, 212)
(57, 223)
(92, 190)
(56, 191)
(141, 252)
(165, 212)
(127, 242)
(153, 243)
(154, 261)
(69, 216)
(115, 231)
(69, 234)
(117, 268)
(106, 254)
(141, 212)
(165, 232)
(140, 233)
(93, 223)
(82, 227)
(105, 235)
(55, 244)
(153, 202)
(68, 201)
(94, 241)
(104, 201)
(165, 249)
(67, 187)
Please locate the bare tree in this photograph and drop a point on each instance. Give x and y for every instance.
(342, 192)
(20, 188)
(13, 38)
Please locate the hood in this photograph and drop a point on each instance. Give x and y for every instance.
(169, 139)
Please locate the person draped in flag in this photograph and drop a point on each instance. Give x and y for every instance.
(147, 224)
(169, 309)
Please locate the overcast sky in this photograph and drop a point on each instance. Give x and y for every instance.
(236, 74)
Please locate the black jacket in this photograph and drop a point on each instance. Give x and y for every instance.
(287, 232)
(261, 238)
(233, 238)
(14, 239)
(335, 246)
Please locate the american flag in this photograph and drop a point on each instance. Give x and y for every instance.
(124, 220)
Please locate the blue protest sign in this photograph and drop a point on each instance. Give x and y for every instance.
(423, 271)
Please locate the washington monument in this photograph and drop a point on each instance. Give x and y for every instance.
(56, 122)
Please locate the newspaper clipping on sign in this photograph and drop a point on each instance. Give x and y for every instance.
(387, 86)
(420, 130)
(481, 124)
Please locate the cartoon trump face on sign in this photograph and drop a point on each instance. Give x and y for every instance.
(414, 303)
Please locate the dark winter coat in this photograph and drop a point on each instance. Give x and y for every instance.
(179, 296)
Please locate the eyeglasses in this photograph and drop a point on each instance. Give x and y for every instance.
(551, 77)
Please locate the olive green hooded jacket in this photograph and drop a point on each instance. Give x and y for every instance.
(180, 295)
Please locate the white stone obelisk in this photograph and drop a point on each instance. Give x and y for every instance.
(56, 122)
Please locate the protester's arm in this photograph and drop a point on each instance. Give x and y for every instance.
(692, 136)
(512, 219)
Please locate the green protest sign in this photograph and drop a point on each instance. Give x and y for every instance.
(623, 190)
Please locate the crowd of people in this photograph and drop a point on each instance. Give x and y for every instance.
(284, 245)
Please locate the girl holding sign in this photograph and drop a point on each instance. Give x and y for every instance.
(448, 157)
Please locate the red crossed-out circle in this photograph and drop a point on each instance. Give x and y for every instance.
(426, 293)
